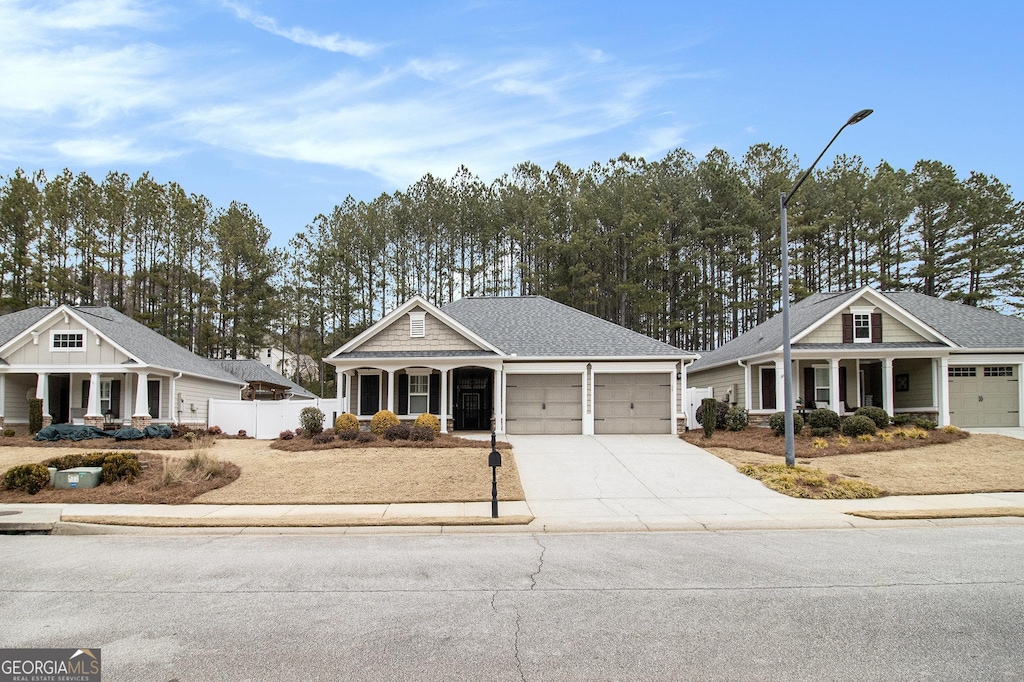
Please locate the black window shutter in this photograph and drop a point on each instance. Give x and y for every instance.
(115, 399)
(809, 388)
(876, 327)
(85, 393)
(847, 328)
(842, 387)
(403, 394)
(435, 394)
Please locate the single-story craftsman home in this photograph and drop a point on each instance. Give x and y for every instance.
(519, 365)
(96, 366)
(902, 351)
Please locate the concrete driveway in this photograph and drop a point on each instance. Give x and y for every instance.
(642, 481)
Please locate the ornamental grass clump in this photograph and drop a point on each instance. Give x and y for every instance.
(804, 482)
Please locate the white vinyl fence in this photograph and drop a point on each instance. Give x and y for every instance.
(692, 401)
(266, 418)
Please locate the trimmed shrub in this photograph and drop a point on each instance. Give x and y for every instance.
(382, 420)
(322, 438)
(736, 419)
(875, 414)
(8, 433)
(421, 433)
(709, 416)
(720, 411)
(777, 423)
(214, 431)
(823, 418)
(858, 425)
(312, 421)
(65, 462)
(901, 419)
(926, 424)
(121, 466)
(428, 420)
(397, 432)
(28, 477)
(286, 435)
(822, 432)
(366, 436)
(350, 435)
(346, 422)
(35, 415)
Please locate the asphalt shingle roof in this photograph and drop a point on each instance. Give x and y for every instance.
(254, 370)
(138, 340)
(535, 326)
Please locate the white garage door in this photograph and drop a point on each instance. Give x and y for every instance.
(544, 403)
(985, 395)
(632, 403)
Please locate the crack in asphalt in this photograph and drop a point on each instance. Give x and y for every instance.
(519, 629)
(540, 563)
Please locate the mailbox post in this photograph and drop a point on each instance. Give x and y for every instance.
(494, 461)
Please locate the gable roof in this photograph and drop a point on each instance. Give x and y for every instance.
(252, 371)
(963, 326)
(537, 327)
(137, 340)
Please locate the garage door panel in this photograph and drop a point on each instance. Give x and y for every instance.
(984, 396)
(632, 403)
(544, 404)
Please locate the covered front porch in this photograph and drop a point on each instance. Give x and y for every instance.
(898, 383)
(103, 398)
(464, 395)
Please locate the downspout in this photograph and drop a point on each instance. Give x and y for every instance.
(682, 390)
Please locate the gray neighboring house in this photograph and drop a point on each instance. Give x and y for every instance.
(94, 365)
(902, 351)
(263, 383)
(519, 365)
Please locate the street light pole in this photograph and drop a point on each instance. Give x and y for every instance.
(787, 350)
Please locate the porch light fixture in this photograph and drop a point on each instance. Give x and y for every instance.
(787, 351)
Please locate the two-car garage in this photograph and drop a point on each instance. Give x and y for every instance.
(623, 402)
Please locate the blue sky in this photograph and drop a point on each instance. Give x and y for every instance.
(291, 106)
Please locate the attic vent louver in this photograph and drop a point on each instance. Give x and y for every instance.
(417, 325)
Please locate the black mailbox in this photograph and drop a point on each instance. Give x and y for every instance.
(494, 459)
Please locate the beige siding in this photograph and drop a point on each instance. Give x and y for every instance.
(920, 379)
(893, 331)
(198, 392)
(40, 353)
(395, 337)
(16, 395)
(721, 379)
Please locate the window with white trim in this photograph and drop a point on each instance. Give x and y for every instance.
(861, 328)
(417, 325)
(67, 340)
(105, 396)
(419, 393)
(821, 386)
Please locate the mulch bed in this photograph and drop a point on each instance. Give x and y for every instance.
(756, 439)
(148, 488)
(302, 444)
(24, 441)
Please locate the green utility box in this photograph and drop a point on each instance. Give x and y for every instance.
(79, 477)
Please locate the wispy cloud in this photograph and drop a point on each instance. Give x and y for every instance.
(303, 36)
(114, 149)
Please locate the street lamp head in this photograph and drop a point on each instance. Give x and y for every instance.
(859, 116)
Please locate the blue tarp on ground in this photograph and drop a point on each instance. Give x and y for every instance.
(56, 432)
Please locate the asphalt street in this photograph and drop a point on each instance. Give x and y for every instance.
(916, 603)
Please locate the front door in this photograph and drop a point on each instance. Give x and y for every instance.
(60, 398)
(768, 388)
(153, 388)
(473, 391)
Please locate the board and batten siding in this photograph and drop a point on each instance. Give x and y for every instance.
(721, 380)
(438, 336)
(41, 353)
(198, 392)
(16, 394)
(893, 331)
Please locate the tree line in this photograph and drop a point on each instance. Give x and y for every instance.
(685, 250)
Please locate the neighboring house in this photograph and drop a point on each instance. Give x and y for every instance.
(286, 363)
(95, 366)
(902, 351)
(518, 365)
(263, 383)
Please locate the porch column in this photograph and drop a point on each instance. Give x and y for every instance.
(444, 400)
(748, 398)
(780, 387)
(141, 418)
(391, 390)
(856, 385)
(498, 409)
(887, 398)
(93, 409)
(43, 392)
(943, 385)
(126, 397)
(835, 400)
